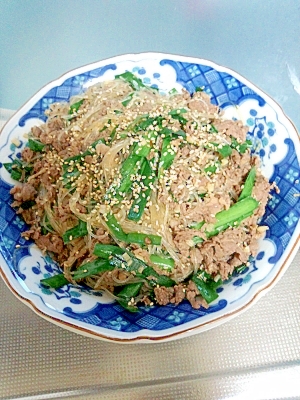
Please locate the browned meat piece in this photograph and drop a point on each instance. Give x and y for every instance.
(163, 295)
(221, 252)
(201, 102)
(23, 193)
(27, 154)
(29, 216)
(55, 124)
(192, 295)
(50, 242)
(36, 131)
(179, 294)
(232, 128)
(102, 236)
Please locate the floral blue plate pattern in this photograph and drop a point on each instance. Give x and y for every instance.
(275, 140)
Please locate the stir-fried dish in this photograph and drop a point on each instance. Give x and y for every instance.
(154, 198)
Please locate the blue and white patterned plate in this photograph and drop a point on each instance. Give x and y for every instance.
(274, 139)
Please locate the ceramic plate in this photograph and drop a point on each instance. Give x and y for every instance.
(274, 139)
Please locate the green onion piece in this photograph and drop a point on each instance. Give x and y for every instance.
(156, 279)
(234, 215)
(196, 225)
(240, 147)
(143, 238)
(166, 263)
(55, 282)
(76, 232)
(177, 114)
(129, 167)
(134, 82)
(178, 111)
(144, 123)
(18, 169)
(107, 250)
(143, 147)
(240, 268)
(127, 293)
(173, 91)
(75, 107)
(224, 151)
(141, 270)
(205, 290)
(138, 206)
(119, 188)
(211, 169)
(115, 228)
(113, 134)
(35, 145)
(127, 100)
(213, 129)
(92, 268)
(197, 240)
(167, 156)
(249, 184)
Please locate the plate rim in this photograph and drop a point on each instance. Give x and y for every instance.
(179, 332)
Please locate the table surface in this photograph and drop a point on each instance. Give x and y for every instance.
(248, 357)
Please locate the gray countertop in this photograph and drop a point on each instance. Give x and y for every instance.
(248, 357)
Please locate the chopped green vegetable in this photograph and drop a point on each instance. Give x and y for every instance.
(208, 293)
(177, 114)
(76, 232)
(211, 169)
(167, 156)
(223, 149)
(18, 170)
(115, 228)
(234, 215)
(128, 293)
(92, 268)
(55, 281)
(35, 145)
(144, 146)
(240, 268)
(173, 91)
(107, 250)
(164, 262)
(127, 100)
(249, 184)
(197, 240)
(143, 238)
(120, 187)
(130, 167)
(240, 147)
(75, 107)
(134, 82)
(138, 206)
(213, 129)
(196, 225)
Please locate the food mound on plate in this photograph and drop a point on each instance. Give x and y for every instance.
(154, 198)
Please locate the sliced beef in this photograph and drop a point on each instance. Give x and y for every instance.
(27, 154)
(50, 242)
(23, 193)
